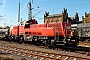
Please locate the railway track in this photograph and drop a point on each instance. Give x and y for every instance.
(35, 54)
(78, 49)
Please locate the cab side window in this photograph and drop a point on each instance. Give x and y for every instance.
(27, 25)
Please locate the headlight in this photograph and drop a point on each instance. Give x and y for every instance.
(68, 39)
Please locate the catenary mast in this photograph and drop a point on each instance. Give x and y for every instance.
(19, 12)
(29, 11)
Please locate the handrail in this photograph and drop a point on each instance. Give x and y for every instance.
(56, 33)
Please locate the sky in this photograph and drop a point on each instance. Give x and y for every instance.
(9, 9)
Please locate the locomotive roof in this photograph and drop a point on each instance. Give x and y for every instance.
(22, 22)
(83, 25)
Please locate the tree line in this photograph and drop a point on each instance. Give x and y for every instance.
(4, 27)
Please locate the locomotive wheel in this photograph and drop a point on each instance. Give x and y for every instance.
(13, 39)
(21, 40)
(33, 41)
(54, 45)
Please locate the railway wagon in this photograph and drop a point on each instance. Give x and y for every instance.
(4, 33)
(83, 31)
(50, 34)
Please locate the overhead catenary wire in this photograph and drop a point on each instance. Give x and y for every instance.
(36, 4)
(78, 5)
(79, 8)
(1, 3)
(73, 6)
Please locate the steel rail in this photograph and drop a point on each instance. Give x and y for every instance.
(34, 53)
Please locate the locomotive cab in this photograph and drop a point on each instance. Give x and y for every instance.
(27, 23)
(30, 22)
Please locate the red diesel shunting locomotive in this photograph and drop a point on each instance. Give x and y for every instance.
(51, 34)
